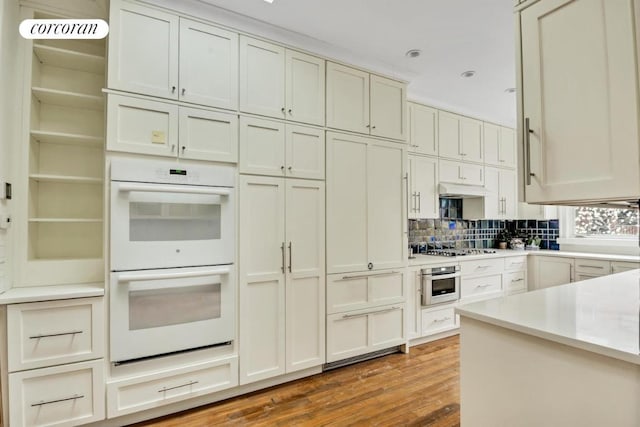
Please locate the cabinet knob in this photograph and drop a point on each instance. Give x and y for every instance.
(282, 168)
(173, 89)
(183, 148)
(290, 167)
(368, 126)
(370, 266)
(283, 110)
(183, 90)
(173, 148)
(290, 112)
(373, 127)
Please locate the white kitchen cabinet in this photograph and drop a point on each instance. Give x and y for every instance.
(499, 145)
(365, 204)
(66, 395)
(481, 279)
(438, 319)
(514, 279)
(160, 54)
(550, 271)
(364, 331)
(414, 303)
(423, 199)
(281, 83)
(348, 292)
(459, 137)
(365, 103)
(274, 148)
(501, 200)
(620, 266)
(581, 139)
(143, 126)
(591, 268)
(423, 129)
(282, 276)
(460, 173)
(60, 162)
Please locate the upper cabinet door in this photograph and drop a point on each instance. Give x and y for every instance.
(449, 135)
(508, 193)
(491, 135)
(471, 140)
(208, 65)
(493, 205)
(424, 187)
(262, 74)
(347, 98)
(304, 152)
(507, 147)
(208, 135)
(143, 51)
(262, 147)
(388, 108)
(423, 129)
(583, 120)
(305, 79)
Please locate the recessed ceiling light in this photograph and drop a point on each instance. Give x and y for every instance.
(269, 1)
(413, 53)
(510, 90)
(469, 73)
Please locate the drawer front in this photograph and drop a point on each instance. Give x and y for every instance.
(150, 391)
(54, 332)
(435, 321)
(347, 292)
(585, 276)
(514, 282)
(66, 395)
(595, 267)
(482, 267)
(620, 266)
(363, 331)
(515, 263)
(487, 286)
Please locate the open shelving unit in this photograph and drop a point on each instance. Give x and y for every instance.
(65, 179)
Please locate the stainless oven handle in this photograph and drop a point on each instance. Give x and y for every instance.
(135, 277)
(182, 189)
(442, 276)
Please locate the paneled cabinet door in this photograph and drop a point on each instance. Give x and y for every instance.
(460, 173)
(143, 51)
(582, 137)
(347, 98)
(262, 74)
(208, 135)
(262, 279)
(471, 140)
(388, 117)
(305, 274)
(346, 203)
(501, 200)
(491, 134)
(141, 126)
(423, 187)
(507, 155)
(423, 129)
(208, 65)
(508, 192)
(552, 271)
(305, 88)
(262, 146)
(386, 219)
(449, 135)
(304, 152)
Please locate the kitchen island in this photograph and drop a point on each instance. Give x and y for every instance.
(562, 356)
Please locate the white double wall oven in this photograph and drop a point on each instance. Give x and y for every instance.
(172, 257)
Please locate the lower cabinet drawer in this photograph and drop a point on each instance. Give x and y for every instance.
(66, 395)
(151, 391)
(594, 267)
(348, 292)
(363, 331)
(515, 282)
(486, 286)
(440, 320)
(515, 263)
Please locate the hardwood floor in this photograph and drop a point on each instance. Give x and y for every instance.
(416, 389)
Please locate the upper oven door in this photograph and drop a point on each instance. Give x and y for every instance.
(164, 225)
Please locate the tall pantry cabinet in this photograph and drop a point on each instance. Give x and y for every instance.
(63, 154)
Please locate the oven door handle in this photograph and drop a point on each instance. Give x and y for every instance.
(441, 276)
(137, 277)
(160, 188)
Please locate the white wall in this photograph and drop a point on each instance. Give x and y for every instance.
(9, 115)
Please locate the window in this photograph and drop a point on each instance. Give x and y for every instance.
(604, 222)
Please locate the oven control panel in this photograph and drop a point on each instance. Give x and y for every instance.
(168, 172)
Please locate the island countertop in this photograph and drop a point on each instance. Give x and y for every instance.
(601, 315)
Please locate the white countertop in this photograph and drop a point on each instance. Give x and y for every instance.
(49, 293)
(599, 315)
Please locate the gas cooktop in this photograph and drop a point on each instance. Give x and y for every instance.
(458, 252)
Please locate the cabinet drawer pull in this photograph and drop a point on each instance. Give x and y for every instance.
(483, 286)
(592, 266)
(362, 276)
(482, 267)
(190, 383)
(351, 316)
(517, 263)
(37, 337)
(74, 397)
(444, 319)
(517, 280)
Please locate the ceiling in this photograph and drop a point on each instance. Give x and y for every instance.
(453, 35)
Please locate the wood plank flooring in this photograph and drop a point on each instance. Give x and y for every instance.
(416, 389)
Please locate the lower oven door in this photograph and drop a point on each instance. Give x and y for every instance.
(164, 226)
(154, 312)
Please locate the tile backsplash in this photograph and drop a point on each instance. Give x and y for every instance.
(482, 233)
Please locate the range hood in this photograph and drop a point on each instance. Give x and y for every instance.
(459, 191)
